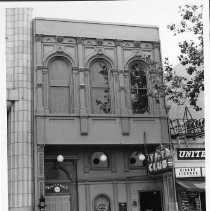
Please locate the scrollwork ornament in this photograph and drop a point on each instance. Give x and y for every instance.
(60, 49)
(59, 39)
(80, 40)
(99, 41)
(137, 44)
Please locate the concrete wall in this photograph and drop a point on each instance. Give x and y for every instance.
(19, 93)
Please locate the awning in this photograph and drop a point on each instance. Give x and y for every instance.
(191, 185)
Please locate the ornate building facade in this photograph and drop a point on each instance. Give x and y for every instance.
(85, 111)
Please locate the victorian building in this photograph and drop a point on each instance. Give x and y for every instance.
(83, 112)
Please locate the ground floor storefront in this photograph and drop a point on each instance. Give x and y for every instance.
(73, 178)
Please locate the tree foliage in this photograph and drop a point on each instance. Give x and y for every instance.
(179, 88)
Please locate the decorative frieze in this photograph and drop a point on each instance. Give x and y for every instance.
(137, 44)
(59, 39)
(99, 41)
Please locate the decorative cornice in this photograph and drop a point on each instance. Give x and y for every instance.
(39, 37)
(137, 44)
(99, 41)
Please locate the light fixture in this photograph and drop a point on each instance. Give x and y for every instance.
(103, 157)
(60, 158)
(141, 157)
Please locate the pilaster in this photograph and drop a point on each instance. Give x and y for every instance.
(20, 142)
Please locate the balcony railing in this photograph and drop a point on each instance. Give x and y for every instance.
(190, 128)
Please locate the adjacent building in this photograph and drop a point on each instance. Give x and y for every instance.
(82, 113)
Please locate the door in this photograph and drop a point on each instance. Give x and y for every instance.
(55, 203)
(150, 201)
(57, 190)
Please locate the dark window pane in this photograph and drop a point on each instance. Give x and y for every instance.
(100, 88)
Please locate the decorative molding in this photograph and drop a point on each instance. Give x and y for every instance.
(118, 42)
(80, 40)
(99, 41)
(156, 44)
(39, 37)
(100, 52)
(59, 38)
(60, 49)
(137, 44)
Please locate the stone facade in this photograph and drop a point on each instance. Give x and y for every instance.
(19, 94)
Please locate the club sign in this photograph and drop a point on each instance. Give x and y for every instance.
(159, 161)
(190, 153)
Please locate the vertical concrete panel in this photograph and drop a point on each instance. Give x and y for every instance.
(18, 32)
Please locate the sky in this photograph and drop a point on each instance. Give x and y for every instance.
(147, 12)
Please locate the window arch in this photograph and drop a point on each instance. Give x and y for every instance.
(100, 85)
(59, 86)
(138, 88)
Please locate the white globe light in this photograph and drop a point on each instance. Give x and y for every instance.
(141, 157)
(103, 157)
(60, 158)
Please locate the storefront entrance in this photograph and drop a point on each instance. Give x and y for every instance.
(150, 201)
(57, 190)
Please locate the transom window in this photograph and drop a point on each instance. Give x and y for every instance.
(138, 82)
(101, 99)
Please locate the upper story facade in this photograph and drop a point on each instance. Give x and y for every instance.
(97, 78)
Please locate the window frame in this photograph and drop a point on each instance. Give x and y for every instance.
(144, 69)
(70, 85)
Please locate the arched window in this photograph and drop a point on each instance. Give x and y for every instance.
(59, 86)
(97, 162)
(101, 99)
(138, 84)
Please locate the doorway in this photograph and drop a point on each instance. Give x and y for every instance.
(57, 190)
(150, 201)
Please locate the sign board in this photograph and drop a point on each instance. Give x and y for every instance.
(188, 172)
(159, 162)
(203, 172)
(60, 187)
(190, 153)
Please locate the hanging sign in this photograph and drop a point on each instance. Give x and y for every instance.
(188, 172)
(159, 161)
(190, 153)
